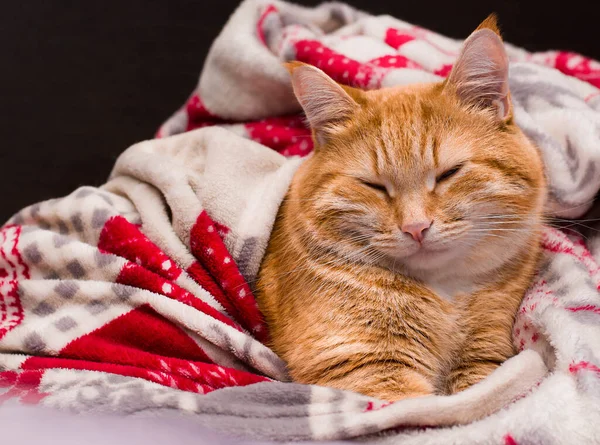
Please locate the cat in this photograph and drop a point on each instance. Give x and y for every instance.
(404, 246)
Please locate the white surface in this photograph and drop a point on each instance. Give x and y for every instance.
(32, 425)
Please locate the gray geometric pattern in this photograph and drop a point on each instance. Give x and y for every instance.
(102, 392)
(66, 289)
(43, 309)
(61, 240)
(34, 343)
(246, 259)
(35, 210)
(53, 275)
(104, 259)
(99, 218)
(43, 225)
(567, 148)
(97, 306)
(76, 269)
(62, 228)
(32, 253)
(123, 292)
(77, 222)
(65, 323)
(228, 410)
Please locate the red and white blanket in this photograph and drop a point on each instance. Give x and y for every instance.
(137, 296)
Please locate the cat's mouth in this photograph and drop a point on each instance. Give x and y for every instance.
(419, 251)
(430, 249)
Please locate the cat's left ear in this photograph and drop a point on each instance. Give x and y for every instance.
(480, 74)
(325, 103)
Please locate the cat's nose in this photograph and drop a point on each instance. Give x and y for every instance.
(416, 229)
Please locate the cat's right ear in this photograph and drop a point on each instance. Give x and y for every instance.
(325, 103)
(480, 75)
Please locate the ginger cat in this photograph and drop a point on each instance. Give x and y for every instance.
(407, 240)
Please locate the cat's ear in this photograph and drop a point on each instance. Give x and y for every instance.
(325, 103)
(480, 74)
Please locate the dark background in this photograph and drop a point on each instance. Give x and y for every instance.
(80, 81)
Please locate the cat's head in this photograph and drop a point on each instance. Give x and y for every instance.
(421, 176)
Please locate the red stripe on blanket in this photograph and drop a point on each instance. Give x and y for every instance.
(591, 96)
(20, 268)
(204, 279)
(23, 385)
(209, 249)
(124, 239)
(136, 276)
(261, 22)
(556, 241)
(141, 337)
(198, 372)
(13, 268)
(583, 365)
(586, 308)
(151, 269)
(144, 344)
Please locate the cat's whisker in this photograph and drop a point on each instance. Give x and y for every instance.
(496, 229)
(336, 261)
(578, 206)
(576, 220)
(575, 223)
(503, 217)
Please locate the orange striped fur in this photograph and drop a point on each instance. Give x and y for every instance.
(357, 293)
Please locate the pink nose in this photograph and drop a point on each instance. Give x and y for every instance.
(416, 229)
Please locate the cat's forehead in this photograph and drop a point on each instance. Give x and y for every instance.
(408, 136)
(421, 139)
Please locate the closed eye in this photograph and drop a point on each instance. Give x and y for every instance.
(448, 173)
(374, 186)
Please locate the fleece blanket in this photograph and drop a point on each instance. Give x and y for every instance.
(137, 297)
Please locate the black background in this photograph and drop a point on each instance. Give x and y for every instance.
(80, 81)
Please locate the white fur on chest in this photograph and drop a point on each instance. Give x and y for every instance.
(450, 288)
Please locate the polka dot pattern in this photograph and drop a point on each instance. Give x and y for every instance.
(395, 61)
(340, 68)
(286, 135)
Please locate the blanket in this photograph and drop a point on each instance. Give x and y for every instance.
(136, 297)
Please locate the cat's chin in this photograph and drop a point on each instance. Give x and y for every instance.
(423, 259)
(430, 258)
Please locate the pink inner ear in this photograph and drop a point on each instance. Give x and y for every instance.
(480, 75)
(324, 101)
